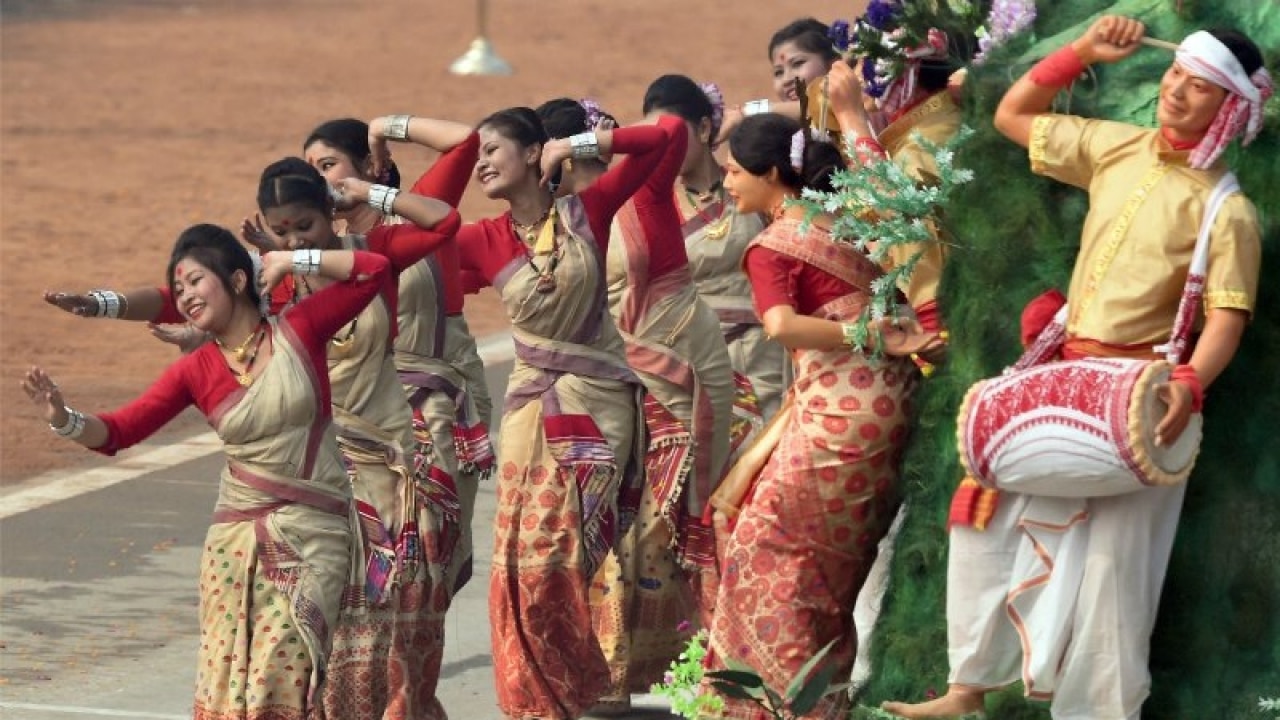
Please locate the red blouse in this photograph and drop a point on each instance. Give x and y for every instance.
(446, 180)
(204, 379)
(655, 203)
(488, 245)
(778, 279)
(403, 245)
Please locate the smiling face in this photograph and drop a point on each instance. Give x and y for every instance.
(750, 193)
(301, 226)
(202, 297)
(791, 62)
(335, 164)
(502, 165)
(1188, 104)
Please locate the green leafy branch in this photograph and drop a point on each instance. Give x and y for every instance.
(810, 684)
(878, 207)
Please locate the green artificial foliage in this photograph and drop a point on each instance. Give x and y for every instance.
(1216, 647)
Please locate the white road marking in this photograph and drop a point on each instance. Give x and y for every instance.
(58, 485)
(99, 712)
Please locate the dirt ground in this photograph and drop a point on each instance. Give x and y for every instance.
(121, 123)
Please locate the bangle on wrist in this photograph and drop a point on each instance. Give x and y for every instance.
(756, 107)
(585, 146)
(1188, 376)
(383, 198)
(73, 428)
(109, 304)
(850, 333)
(306, 262)
(396, 127)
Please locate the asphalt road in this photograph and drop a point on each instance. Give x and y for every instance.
(98, 598)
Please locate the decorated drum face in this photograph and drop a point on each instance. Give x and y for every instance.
(1079, 428)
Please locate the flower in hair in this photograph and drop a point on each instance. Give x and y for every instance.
(595, 113)
(797, 150)
(716, 97)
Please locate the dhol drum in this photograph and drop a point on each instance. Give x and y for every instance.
(1077, 428)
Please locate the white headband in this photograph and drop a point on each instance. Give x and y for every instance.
(1205, 56)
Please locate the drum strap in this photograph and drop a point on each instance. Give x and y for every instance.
(973, 504)
(1049, 342)
(1192, 293)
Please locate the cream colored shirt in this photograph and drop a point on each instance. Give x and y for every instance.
(1145, 210)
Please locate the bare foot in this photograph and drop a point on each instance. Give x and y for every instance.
(955, 704)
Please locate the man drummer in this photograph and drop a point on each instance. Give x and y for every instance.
(1063, 592)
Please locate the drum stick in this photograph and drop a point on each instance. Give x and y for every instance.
(1162, 44)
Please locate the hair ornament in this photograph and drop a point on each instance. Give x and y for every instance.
(713, 93)
(797, 150)
(595, 114)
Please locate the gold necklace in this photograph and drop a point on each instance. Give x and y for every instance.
(240, 351)
(244, 357)
(712, 228)
(530, 232)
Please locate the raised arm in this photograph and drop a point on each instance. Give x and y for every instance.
(657, 187)
(449, 175)
(1109, 39)
(643, 147)
(434, 222)
(360, 276)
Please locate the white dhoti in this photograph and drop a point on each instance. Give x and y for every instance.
(1062, 593)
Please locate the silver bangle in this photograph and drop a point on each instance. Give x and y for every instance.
(396, 127)
(383, 198)
(306, 262)
(73, 428)
(585, 146)
(756, 107)
(110, 304)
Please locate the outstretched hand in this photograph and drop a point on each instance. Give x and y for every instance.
(1109, 39)
(44, 392)
(74, 303)
(187, 338)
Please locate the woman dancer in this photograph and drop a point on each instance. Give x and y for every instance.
(389, 644)
(281, 534)
(569, 432)
(800, 50)
(807, 533)
(663, 573)
(435, 352)
(716, 235)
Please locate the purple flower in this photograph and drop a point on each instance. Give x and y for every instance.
(1007, 18)
(668, 678)
(684, 626)
(880, 13)
(839, 35)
